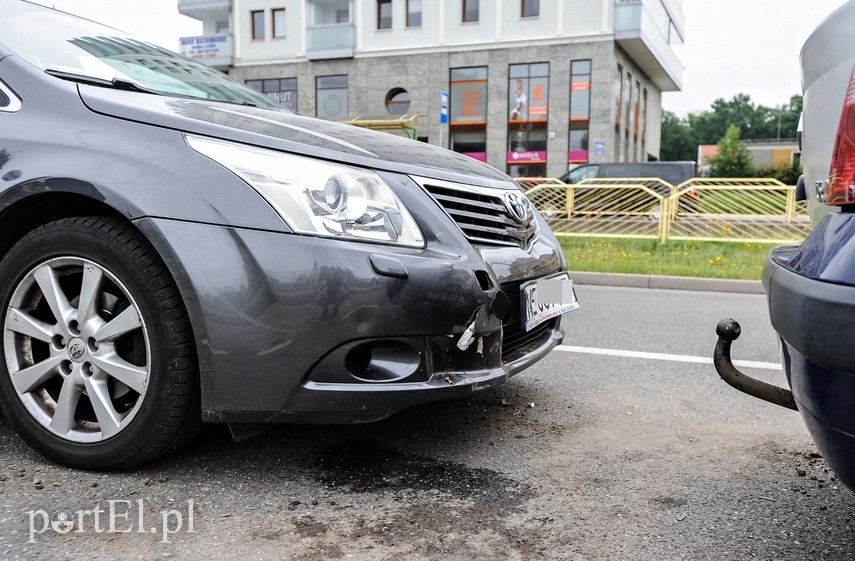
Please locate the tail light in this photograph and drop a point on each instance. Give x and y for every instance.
(841, 180)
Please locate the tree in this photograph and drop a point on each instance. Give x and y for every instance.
(710, 126)
(733, 158)
(681, 136)
(678, 142)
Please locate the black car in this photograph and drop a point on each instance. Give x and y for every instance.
(177, 248)
(811, 286)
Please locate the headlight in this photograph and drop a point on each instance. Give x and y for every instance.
(317, 197)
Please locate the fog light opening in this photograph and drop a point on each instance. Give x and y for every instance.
(382, 361)
(358, 360)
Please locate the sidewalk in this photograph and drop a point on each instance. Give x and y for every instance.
(675, 283)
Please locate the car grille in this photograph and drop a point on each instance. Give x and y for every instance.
(481, 213)
(515, 339)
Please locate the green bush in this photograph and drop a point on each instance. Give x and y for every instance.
(787, 175)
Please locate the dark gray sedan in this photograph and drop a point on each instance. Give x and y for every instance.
(177, 248)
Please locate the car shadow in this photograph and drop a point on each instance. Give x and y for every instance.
(426, 434)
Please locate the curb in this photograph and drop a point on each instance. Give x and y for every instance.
(673, 283)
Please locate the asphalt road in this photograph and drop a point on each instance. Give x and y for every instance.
(584, 456)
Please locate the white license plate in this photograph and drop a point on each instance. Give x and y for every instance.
(544, 299)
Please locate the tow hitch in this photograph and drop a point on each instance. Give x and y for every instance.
(728, 331)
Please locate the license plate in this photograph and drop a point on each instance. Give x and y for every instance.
(544, 299)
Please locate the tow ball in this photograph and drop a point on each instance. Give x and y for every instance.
(728, 331)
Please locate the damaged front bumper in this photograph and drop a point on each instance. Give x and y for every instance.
(302, 329)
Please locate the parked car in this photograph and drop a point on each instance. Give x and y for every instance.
(177, 248)
(811, 286)
(672, 172)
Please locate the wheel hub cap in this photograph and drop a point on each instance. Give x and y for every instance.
(76, 350)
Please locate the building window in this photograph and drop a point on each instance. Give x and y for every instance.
(578, 146)
(580, 110)
(329, 12)
(414, 13)
(470, 11)
(468, 111)
(331, 97)
(636, 119)
(384, 14)
(257, 18)
(528, 97)
(281, 90)
(580, 90)
(468, 103)
(627, 101)
(643, 126)
(528, 88)
(279, 22)
(530, 8)
(618, 94)
(527, 151)
(398, 101)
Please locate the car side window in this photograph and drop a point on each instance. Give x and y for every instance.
(4, 100)
(583, 172)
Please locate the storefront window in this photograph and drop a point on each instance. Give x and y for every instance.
(282, 90)
(468, 111)
(472, 144)
(331, 97)
(580, 110)
(528, 108)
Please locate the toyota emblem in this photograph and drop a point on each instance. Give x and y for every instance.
(76, 351)
(518, 207)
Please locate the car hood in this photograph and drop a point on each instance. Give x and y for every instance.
(282, 130)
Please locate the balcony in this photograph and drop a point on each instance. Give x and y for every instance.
(212, 50)
(643, 28)
(202, 9)
(330, 41)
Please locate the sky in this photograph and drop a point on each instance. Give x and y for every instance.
(743, 46)
(731, 46)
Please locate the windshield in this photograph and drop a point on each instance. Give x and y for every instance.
(583, 172)
(69, 45)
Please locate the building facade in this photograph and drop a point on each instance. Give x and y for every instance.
(528, 86)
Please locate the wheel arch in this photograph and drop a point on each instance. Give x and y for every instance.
(29, 211)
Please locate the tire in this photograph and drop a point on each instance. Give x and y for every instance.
(99, 365)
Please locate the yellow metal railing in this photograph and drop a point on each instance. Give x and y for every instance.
(748, 210)
(405, 123)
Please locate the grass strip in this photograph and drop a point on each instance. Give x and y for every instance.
(724, 260)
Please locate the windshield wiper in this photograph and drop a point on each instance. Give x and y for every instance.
(115, 83)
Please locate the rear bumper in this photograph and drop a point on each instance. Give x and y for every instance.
(816, 324)
(825, 399)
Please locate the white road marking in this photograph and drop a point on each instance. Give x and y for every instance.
(663, 356)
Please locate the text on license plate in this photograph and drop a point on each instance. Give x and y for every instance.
(544, 299)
